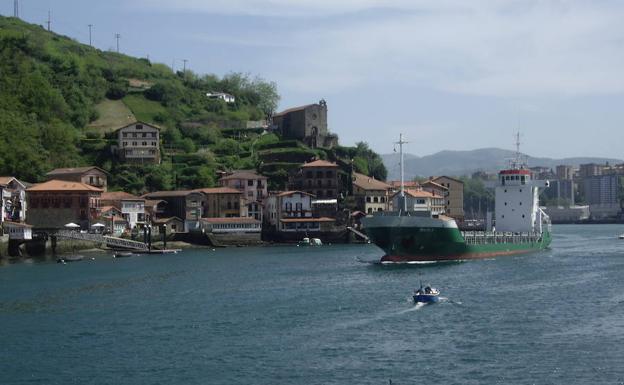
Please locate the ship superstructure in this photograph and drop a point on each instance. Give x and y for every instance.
(519, 225)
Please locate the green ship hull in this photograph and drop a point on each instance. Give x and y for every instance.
(417, 239)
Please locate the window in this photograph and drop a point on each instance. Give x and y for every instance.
(330, 193)
(91, 179)
(299, 206)
(329, 174)
(376, 199)
(319, 183)
(250, 182)
(125, 144)
(309, 182)
(125, 135)
(505, 203)
(319, 194)
(144, 135)
(229, 205)
(382, 199)
(139, 126)
(368, 199)
(319, 174)
(134, 143)
(144, 143)
(309, 174)
(153, 143)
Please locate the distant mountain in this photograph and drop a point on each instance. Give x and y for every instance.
(466, 162)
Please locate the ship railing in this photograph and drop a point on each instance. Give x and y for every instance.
(487, 238)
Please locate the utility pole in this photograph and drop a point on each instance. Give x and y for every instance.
(49, 20)
(184, 66)
(90, 25)
(117, 36)
(15, 8)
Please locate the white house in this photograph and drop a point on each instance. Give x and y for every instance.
(288, 204)
(12, 200)
(132, 208)
(221, 95)
(17, 230)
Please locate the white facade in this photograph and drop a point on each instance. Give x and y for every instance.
(221, 95)
(517, 202)
(139, 142)
(133, 211)
(18, 231)
(290, 204)
(420, 200)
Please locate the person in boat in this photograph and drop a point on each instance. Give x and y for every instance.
(427, 290)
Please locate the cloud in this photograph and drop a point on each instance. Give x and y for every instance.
(547, 48)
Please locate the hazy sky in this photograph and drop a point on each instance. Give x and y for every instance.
(454, 75)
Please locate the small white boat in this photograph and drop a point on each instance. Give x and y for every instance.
(310, 242)
(621, 236)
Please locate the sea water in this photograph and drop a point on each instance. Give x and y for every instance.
(318, 315)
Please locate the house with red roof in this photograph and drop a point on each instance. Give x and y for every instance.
(55, 203)
(253, 187)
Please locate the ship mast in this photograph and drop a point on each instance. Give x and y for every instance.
(401, 142)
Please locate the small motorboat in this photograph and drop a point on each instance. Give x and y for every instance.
(124, 254)
(426, 294)
(310, 242)
(69, 258)
(621, 236)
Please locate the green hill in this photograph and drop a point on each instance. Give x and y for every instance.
(60, 101)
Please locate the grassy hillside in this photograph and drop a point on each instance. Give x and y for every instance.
(60, 101)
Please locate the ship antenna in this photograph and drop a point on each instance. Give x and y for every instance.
(401, 142)
(518, 161)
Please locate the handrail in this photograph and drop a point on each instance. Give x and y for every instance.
(99, 238)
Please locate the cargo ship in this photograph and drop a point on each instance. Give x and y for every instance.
(411, 234)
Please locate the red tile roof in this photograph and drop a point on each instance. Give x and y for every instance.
(62, 185)
(397, 183)
(119, 195)
(218, 190)
(369, 183)
(230, 220)
(298, 220)
(73, 170)
(319, 163)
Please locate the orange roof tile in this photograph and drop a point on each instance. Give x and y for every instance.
(73, 170)
(62, 185)
(119, 195)
(218, 190)
(369, 183)
(320, 163)
(230, 220)
(243, 174)
(298, 220)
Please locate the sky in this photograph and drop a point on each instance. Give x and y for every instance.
(448, 74)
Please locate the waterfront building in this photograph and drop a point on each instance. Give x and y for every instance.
(18, 231)
(564, 172)
(420, 201)
(601, 193)
(184, 204)
(132, 207)
(288, 204)
(370, 194)
(55, 203)
(232, 230)
(319, 178)
(253, 187)
(170, 225)
(567, 214)
(12, 200)
(154, 209)
(306, 123)
(434, 188)
(307, 226)
(454, 203)
(223, 202)
(139, 142)
(91, 175)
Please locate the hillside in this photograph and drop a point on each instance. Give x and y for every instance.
(60, 101)
(466, 162)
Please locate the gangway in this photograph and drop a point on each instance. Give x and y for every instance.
(359, 233)
(112, 242)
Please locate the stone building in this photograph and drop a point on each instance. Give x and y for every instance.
(306, 123)
(288, 204)
(319, 178)
(91, 175)
(55, 203)
(139, 142)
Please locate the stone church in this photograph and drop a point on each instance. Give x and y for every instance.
(306, 123)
